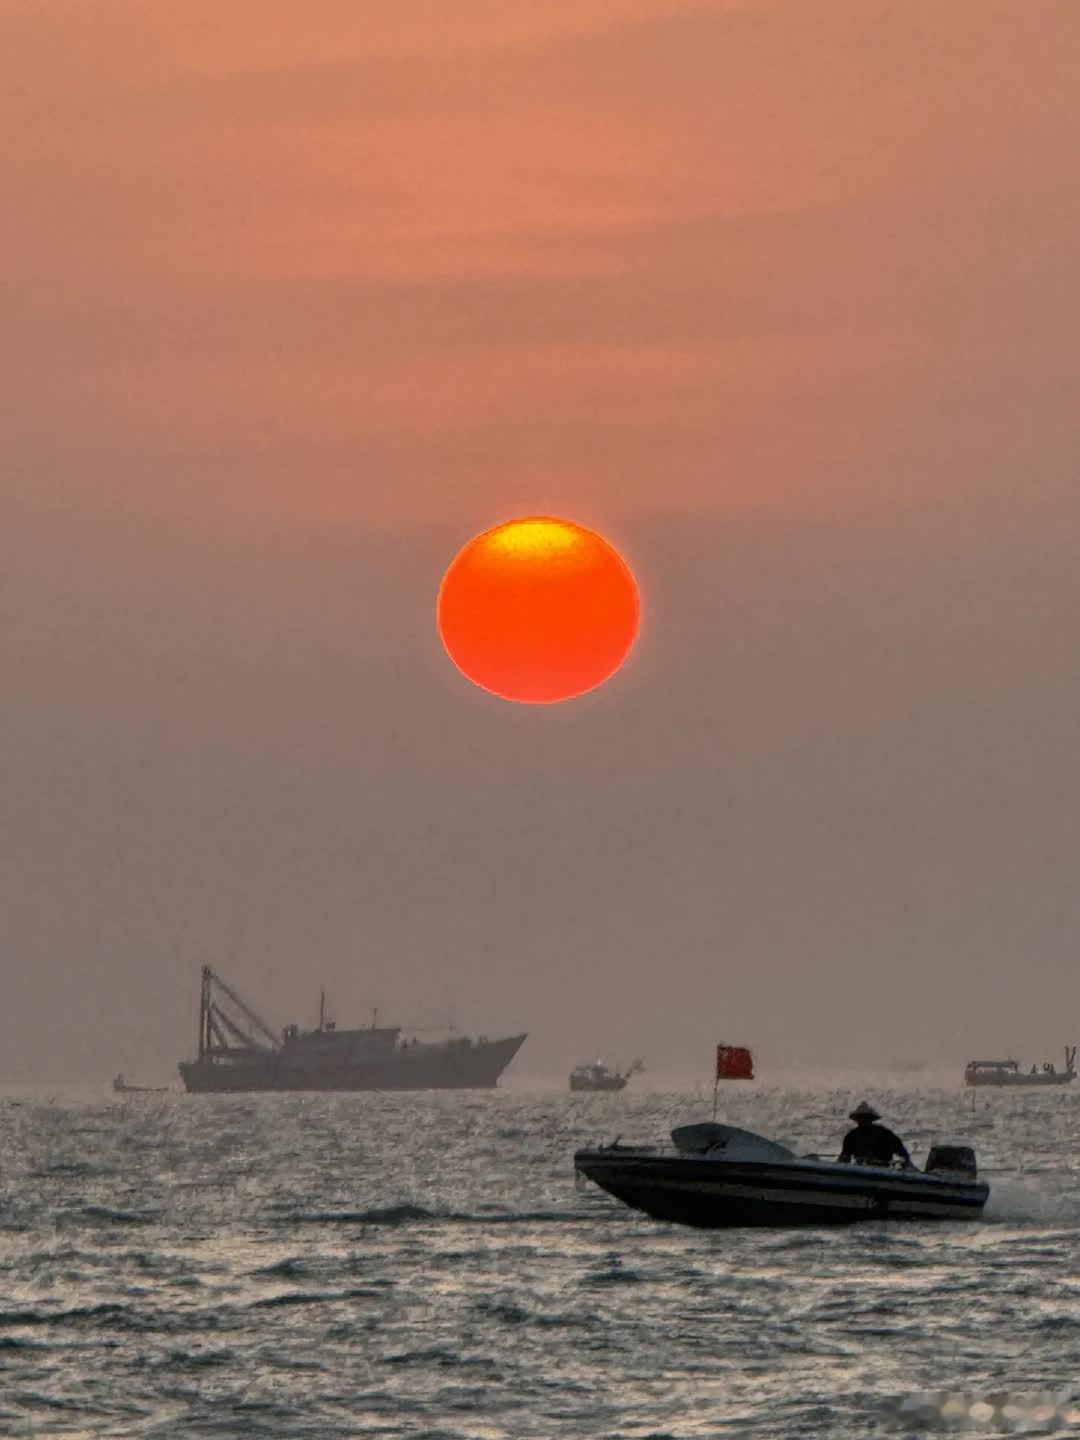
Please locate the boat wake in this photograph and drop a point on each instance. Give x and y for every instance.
(1017, 1201)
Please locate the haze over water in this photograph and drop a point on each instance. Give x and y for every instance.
(779, 297)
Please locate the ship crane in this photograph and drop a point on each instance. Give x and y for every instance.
(214, 1021)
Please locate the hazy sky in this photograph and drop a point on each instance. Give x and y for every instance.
(783, 298)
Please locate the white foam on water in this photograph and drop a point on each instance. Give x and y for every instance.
(1025, 1200)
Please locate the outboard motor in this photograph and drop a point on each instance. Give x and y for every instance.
(951, 1160)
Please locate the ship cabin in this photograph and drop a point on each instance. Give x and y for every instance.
(991, 1070)
(594, 1074)
(328, 1042)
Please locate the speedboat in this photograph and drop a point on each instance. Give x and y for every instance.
(719, 1175)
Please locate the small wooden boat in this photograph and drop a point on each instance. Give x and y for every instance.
(597, 1076)
(121, 1086)
(719, 1175)
(1011, 1073)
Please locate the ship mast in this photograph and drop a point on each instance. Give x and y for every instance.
(214, 1021)
(204, 1012)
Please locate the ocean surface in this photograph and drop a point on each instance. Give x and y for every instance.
(427, 1266)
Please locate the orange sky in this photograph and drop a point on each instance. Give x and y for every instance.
(780, 296)
(621, 241)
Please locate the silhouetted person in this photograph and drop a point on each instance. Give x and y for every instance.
(870, 1143)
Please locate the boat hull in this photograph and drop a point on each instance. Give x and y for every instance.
(459, 1065)
(613, 1082)
(711, 1193)
(1019, 1082)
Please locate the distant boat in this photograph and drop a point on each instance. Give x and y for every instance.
(1011, 1074)
(597, 1076)
(734, 1062)
(121, 1086)
(238, 1051)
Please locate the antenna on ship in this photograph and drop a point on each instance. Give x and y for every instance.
(322, 1009)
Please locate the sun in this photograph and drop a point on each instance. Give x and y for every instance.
(538, 610)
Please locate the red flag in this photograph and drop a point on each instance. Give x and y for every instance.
(734, 1062)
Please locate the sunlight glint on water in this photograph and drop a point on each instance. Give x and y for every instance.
(409, 1265)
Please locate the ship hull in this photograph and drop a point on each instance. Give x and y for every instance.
(1019, 1082)
(711, 1194)
(455, 1066)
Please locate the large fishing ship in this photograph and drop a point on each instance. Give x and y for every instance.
(238, 1050)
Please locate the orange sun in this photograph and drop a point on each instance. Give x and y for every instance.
(538, 610)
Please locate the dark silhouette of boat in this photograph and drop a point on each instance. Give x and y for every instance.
(238, 1051)
(121, 1086)
(597, 1076)
(1011, 1073)
(718, 1175)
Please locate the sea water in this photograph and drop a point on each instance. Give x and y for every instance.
(427, 1266)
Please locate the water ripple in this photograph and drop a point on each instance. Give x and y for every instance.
(343, 1266)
